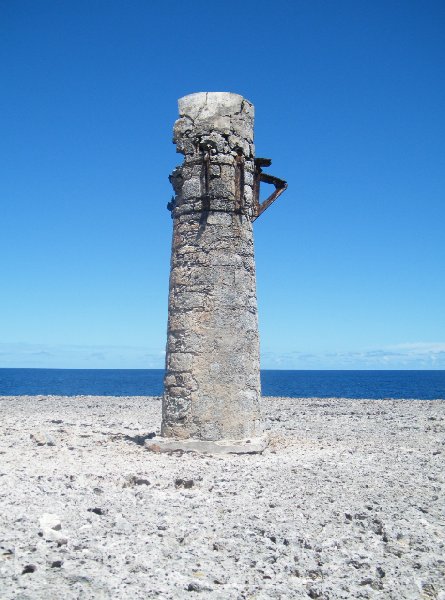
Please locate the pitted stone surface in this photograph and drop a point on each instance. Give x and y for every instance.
(212, 383)
(346, 502)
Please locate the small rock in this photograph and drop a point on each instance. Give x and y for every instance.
(50, 521)
(50, 535)
(140, 481)
(50, 529)
(184, 483)
(6, 552)
(29, 569)
(195, 586)
(42, 439)
(135, 480)
(377, 527)
(380, 572)
(97, 511)
(56, 564)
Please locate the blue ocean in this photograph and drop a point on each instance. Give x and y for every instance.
(423, 385)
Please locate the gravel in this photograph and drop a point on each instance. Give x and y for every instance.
(346, 502)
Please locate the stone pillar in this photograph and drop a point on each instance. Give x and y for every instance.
(212, 380)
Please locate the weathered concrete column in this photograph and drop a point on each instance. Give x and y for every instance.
(212, 381)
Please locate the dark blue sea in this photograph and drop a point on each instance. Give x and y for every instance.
(423, 385)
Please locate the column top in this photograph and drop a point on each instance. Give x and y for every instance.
(209, 105)
(224, 118)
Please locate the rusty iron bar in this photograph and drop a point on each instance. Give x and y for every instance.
(239, 182)
(280, 186)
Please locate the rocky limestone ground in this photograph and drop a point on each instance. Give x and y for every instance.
(347, 502)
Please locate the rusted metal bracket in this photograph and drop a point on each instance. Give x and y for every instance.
(259, 176)
(239, 182)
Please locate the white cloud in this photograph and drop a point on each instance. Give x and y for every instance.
(416, 355)
(22, 355)
(420, 348)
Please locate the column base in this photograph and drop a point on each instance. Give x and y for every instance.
(249, 446)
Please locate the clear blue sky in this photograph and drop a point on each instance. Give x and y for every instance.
(350, 105)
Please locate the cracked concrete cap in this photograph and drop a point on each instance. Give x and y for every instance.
(208, 105)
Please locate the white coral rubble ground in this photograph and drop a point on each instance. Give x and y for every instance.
(346, 502)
